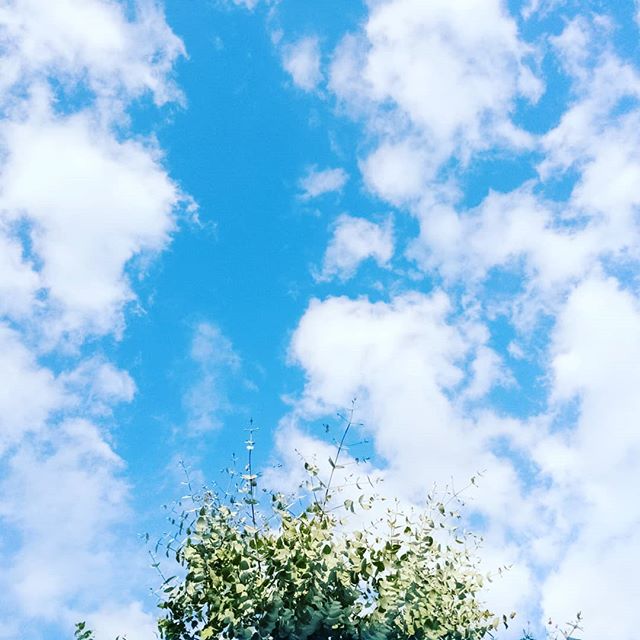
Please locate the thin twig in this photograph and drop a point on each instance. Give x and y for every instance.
(340, 447)
(250, 445)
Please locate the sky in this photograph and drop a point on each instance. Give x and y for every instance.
(217, 211)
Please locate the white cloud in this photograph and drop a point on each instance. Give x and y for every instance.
(540, 8)
(502, 231)
(215, 358)
(28, 392)
(558, 243)
(402, 359)
(530, 8)
(600, 141)
(355, 240)
(61, 487)
(78, 201)
(62, 496)
(301, 61)
(19, 282)
(596, 350)
(317, 182)
(398, 172)
(295, 447)
(131, 56)
(58, 178)
(446, 73)
(98, 385)
(549, 245)
(405, 361)
(418, 367)
(553, 244)
(487, 371)
(589, 60)
(574, 46)
(113, 621)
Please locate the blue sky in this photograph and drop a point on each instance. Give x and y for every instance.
(213, 211)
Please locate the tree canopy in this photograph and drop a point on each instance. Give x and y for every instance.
(318, 566)
(312, 567)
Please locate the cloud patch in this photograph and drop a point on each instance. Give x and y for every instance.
(436, 86)
(58, 179)
(318, 182)
(446, 73)
(123, 58)
(81, 197)
(355, 240)
(206, 401)
(301, 60)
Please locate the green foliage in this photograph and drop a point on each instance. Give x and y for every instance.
(82, 632)
(309, 574)
(307, 578)
(316, 568)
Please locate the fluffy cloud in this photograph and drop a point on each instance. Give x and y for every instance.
(355, 240)
(413, 368)
(79, 199)
(595, 351)
(318, 182)
(61, 496)
(60, 38)
(19, 281)
(506, 231)
(58, 180)
(302, 61)
(99, 385)
(215, 358)
(598, 138)
(402, 359)
(445, 73)
(398, 172)
(554, 243)
(28, 392)
(434, 82)
(542, 8)
(112, 620)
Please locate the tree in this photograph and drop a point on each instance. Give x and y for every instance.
(310, 567)
(312, 573)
